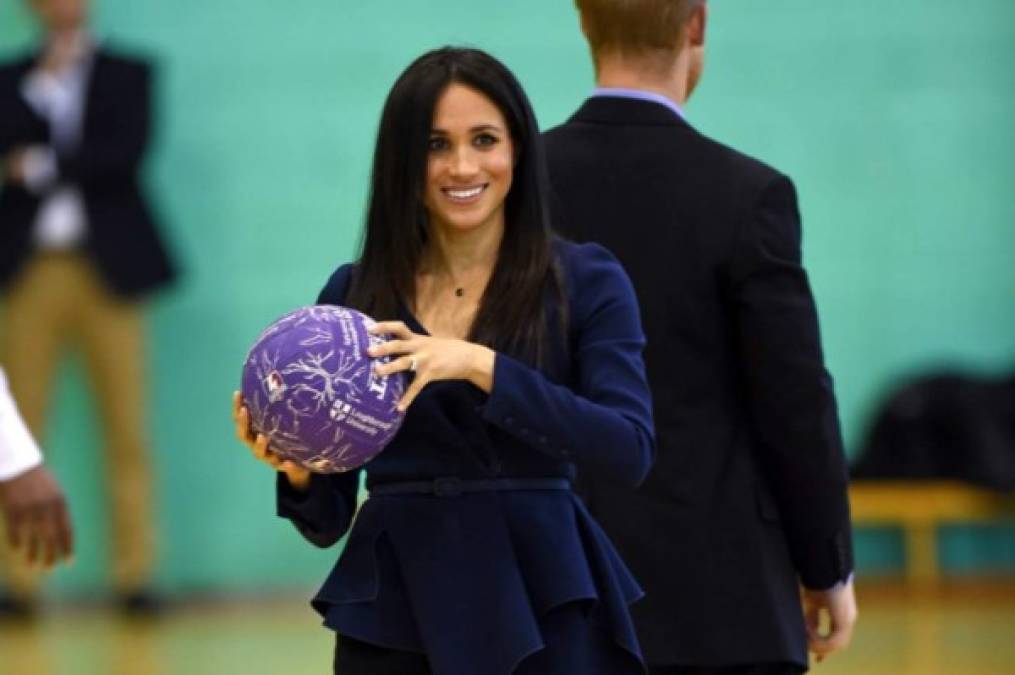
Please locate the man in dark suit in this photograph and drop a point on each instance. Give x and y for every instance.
(747, 501)
(78, 252)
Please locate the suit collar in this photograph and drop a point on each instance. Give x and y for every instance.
(626, 111)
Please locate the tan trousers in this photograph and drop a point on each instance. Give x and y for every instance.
(59, 302)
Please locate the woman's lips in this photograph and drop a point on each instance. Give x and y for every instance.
(464, 195)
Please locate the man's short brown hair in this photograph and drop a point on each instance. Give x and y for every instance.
(634, 27)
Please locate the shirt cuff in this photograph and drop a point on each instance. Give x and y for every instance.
(312, 506)
(838, 586)
(18, 450)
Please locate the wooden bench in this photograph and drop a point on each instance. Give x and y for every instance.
(920, 508)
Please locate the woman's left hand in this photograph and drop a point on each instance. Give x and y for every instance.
(431, 359)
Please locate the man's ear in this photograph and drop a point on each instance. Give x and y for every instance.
(696, 25)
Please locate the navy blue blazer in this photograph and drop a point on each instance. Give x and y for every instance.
(465, 579)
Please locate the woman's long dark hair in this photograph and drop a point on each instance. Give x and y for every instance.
(513, 312)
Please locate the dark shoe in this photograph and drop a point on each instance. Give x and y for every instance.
(17, 609)
(141, 604)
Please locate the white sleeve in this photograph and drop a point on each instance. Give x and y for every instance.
(18, 450)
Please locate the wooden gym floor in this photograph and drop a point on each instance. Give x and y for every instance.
(958, 631)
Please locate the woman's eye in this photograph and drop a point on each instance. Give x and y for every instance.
(485, 140)
(437, 144)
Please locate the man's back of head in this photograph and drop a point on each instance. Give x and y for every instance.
(650, 44)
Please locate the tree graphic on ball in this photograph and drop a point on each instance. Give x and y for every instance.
(311, 389)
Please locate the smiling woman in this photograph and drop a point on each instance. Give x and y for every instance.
(455, 121)
(468, 177)
(472, 554)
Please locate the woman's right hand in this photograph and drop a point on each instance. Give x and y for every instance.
(298, 477)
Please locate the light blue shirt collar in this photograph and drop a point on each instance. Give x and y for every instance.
(639, 95)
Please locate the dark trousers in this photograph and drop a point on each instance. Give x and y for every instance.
(750, 669)
(353, 657)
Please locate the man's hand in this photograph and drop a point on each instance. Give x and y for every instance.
(37, 519)
(839, 605)
(14, 165)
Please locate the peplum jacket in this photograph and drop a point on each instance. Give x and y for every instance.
(466, 577)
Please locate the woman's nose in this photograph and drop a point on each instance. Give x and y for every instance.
(463, 164)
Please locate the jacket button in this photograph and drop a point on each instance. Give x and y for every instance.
(543, 440)
(510, 421)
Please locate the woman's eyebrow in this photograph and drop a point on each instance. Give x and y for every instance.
(475, 129)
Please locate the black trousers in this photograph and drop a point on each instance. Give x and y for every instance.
(750, 669)
(353, 657)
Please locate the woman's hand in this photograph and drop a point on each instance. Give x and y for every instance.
(431, 359)
(298, 477)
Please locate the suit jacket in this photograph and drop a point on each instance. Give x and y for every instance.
(748, 493)
(122, 238)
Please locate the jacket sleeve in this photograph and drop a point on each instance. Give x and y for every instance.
(603, 423)
(324, 512)
(19, 125)
(789, 392)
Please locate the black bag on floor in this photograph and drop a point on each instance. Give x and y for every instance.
(945, 426)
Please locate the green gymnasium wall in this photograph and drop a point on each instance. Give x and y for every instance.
(894, 118)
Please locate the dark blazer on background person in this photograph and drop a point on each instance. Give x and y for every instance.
(747, 497)
(122, 239)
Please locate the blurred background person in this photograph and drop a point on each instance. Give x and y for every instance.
(78, 252)
(748, 497)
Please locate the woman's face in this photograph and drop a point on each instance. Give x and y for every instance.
(471, 159)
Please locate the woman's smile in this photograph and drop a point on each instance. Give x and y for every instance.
(465, 195)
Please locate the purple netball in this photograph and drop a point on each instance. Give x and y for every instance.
(310, 387)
